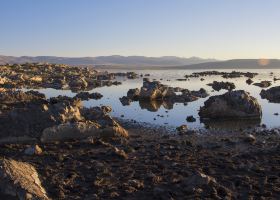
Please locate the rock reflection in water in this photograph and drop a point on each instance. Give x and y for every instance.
(153, 106)
(231, 124)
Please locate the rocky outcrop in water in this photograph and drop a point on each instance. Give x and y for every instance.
(87, 96)
(222, 85)
(231, 105)
(57, 76)
(271, 94)
(32, 115)
(263, 84)
(233, 74)
(157, 92)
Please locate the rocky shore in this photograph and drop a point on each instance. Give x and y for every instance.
(55, 148)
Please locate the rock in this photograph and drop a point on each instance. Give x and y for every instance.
(190, 119)
(198, 179)
(249, 139)
(182, 128)
(82, 130)
(231, 105)
(62, 132)
(154, 91)
(249, 81)
(106, 109)
(263, 84)
(33, 150)
(78, 84)
(222, 85)
(233, 74)
(125, 101)
(20, 180)
(86, 95)
(271, 94)
(133, 93)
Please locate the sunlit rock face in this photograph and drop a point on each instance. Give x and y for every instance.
(231, 105)
(20, 180)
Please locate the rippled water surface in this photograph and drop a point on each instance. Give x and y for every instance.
(175, 115)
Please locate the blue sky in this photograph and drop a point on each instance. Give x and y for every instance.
(222, 29)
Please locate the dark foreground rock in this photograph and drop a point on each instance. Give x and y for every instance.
(271, 94)
(231, 105)
(158, 166)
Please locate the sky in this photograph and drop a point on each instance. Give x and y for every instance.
(221, 29)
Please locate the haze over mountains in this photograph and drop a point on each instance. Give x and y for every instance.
(142, 62)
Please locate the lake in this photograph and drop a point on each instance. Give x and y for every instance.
(175, 115)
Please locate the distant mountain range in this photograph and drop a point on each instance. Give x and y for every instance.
(127, 61)
(142, 62)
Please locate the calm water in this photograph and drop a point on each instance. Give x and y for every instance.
(176, 115)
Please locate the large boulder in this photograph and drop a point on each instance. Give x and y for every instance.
(78, 130)
(81, 130)
(30, 119)
(272, 94)
(234, 104)
(20, 180)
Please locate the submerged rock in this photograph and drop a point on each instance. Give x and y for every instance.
(20, 180)
(231, 105)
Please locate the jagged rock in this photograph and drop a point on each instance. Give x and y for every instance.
(32, 118)
(233, 104)
(20, 180)
(263, 84)
(157, 93)
(271, 94)
(16, 97)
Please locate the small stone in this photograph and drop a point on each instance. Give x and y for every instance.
(190, 119)
(33, 150)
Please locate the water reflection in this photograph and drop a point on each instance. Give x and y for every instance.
(153, 106)
(175, 114)
(231, 124)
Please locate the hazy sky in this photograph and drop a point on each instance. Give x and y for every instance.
(220, 29)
